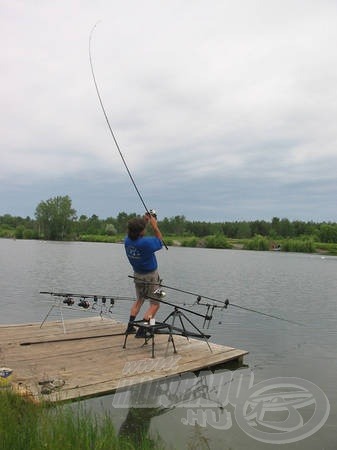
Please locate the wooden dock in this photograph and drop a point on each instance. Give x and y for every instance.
(89, 359)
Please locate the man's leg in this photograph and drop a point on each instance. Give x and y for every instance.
(152, 310)
(133, 313)
(152, 293)
(136, 307)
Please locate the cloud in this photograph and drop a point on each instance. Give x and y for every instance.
(221, 111)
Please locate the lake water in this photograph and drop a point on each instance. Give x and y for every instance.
(297, 287)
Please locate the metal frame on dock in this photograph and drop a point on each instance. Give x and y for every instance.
(150, 330)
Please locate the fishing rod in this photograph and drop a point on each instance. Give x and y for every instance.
(149, 211)
(95, 297)
(103, 303)
(180, 308)
(78, 338)
(68, 299)
(225, 303)
(107, 121)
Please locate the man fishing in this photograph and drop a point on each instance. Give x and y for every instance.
(140, 250)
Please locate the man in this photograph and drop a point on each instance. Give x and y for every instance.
(140, 250)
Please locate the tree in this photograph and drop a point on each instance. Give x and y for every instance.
(174, 225)
(244, 230)
(328, 233)
(200, 229)
(122, 221)
(55, 218)
(260, 227)
(285, 228)
(94, 225)
(110, 229)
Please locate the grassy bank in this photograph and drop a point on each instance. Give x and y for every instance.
(27, 426)
(261, 243)
(305, 244)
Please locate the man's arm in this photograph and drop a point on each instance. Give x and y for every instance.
(154, 225)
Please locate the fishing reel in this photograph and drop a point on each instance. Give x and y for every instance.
(95, 302)
(112, 304)
(159, 293)
(84, 303)
(68, 301)
(152, 213)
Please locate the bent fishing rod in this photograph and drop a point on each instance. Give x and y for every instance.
(225, 303)
(149, 211)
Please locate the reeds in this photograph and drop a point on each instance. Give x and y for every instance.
(27, 426)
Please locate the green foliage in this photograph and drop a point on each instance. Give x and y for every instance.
(18, 422)
(27, 426)
(217, 241)
(174, 226)
(30, 234)
(190, 242)
(298, 245)
(324, 248)
(199, 229)
(110, 229)
(99, 238)
(169, 241)
(257, 243)
(19, 232)
(6, 233)
(54, 218)
(328, 233)
(122, 222)
(243, 230)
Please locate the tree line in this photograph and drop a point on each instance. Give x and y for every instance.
(56, 219)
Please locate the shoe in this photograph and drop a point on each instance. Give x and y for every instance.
(130, 329)
(141, 333)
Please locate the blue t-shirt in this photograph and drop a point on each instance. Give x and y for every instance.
(141, 253)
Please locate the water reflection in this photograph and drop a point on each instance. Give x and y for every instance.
(203, 398)
(136, 426)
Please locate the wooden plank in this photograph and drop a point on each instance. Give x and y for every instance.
(90, 358)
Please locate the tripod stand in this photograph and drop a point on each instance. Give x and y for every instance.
(177, 313)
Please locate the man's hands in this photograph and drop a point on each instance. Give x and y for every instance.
(149, 215)
(152, 219)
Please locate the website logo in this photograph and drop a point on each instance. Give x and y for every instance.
(282, 410)
(276, 411)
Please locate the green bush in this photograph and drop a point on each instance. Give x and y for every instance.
(19, 232)
(217, 241)
(257, 243)
(330, 249)
(30, 234)
(298, 245)
(190, 242)
(7, 233)
(98, 238)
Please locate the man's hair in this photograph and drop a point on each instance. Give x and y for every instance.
(135, 227)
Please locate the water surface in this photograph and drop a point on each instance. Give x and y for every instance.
(298, 287)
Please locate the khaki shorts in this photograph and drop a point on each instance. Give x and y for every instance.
(146, 284)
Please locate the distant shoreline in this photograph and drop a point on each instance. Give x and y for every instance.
(258, 243)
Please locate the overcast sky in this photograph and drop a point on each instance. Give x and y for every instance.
(223, 110)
